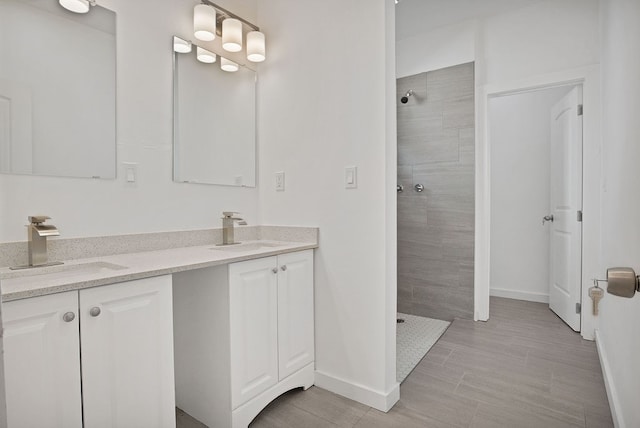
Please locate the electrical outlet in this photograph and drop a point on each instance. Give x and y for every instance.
(280, 181)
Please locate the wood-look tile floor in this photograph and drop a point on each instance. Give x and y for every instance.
(523, 368)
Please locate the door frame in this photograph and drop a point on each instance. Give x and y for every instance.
(589, 78)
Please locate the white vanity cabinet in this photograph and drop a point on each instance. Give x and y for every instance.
(253, 307)
(42, 361)
(296, 347)
(123, 332)
(244, 334)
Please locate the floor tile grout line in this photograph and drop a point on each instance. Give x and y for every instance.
(314, 415)
(325, 419)
(474, 415)
(360, 418)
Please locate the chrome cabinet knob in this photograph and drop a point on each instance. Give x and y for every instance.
(68, 317)
(283, 268)
(274, 270)
(95, 311)
(419, 188)
(547, 218)
(400, 188)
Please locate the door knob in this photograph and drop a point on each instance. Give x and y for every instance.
(95, 311)
(68, 317)
(274, 270)
(547, 218)
(283, 268)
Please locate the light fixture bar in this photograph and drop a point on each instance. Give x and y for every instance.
(228, 14)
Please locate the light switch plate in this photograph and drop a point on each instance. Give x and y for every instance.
(351, 177)
(280, 181)
(130, 172)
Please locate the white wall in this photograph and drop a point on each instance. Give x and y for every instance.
(438, 48)
(539, 39)
(84, 207)
(519, 129)
(325, 106)
(618, 334)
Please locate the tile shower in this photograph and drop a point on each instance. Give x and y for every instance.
(436, 226)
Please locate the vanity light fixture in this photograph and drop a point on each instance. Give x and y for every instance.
(255, 46)
(205, 56)
(232, 35)
(210, 20)
(228, 65)
(181, 45)
(77, 6)
(204, 22)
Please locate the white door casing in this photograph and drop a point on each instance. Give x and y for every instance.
(566, 204)
(42, 361)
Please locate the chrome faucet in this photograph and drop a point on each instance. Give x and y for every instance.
(37, 233)
(228, 221)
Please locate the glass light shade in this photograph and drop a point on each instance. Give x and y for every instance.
(205, 56)
(77, 6)
(255, 46)
(180, 45)
(204, 22)
(232, 35)
(228, 65)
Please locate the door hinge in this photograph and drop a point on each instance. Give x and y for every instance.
(579, 215)
(578, 308)
(579, 109)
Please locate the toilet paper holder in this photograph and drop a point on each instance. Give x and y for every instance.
(622, 281)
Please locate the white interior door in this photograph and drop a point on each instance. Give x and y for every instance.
(566, 205)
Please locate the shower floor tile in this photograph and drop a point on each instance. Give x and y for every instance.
(414, 337)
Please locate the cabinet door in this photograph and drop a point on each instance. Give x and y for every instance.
(254, 328)
(127, 354)
(295, 312)
(42, 361)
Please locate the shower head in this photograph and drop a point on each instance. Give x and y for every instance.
(405, 99)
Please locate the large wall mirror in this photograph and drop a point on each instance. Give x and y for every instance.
(57, 90)
(214, 123)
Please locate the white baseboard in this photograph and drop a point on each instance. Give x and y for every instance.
(519, 295)
(612, 393)
(382, 401)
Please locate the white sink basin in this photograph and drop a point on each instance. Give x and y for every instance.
(61, 272)
(248, 246)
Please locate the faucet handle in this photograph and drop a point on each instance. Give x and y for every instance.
(38, 219)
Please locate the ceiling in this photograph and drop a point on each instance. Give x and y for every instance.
(413, 16)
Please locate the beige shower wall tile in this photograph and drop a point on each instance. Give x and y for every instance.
(436, 144)
(412, 209)
(458, 113)
(405, 177)
(451, 82)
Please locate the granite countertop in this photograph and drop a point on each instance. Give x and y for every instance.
(91, 272)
